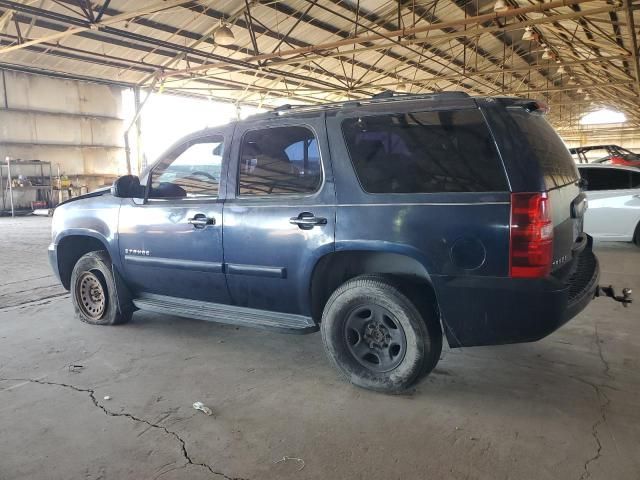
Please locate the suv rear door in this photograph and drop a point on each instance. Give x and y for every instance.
(279, 213)
(539, 161)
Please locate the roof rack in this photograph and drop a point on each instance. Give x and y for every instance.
(382, 97)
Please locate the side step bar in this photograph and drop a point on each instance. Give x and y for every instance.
(215, 312)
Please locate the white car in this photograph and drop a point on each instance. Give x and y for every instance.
(613, 193)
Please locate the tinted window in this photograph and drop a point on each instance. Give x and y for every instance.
(635, 179)
(191, 171)
(280, 160)
(606, 178)
(424, 152)
(558, 167)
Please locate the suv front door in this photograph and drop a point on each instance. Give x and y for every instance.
(279, 213)
(171, 242)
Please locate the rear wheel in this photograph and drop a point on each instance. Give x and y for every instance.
(377, 337)
(93, 291)
(636, 235)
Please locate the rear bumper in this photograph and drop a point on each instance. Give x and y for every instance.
(498, 310)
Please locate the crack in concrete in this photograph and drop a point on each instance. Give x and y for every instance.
(29, 303)
(25, 280)
(602, 419)
(603, 406)
(91, 392)
(601, 355)
(54, 285)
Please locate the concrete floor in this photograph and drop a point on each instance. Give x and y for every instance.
(566, 407)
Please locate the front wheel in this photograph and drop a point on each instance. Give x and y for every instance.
(377, 337)
(93, 291)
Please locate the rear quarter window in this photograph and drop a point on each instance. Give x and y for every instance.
(546, 146)
(424, 152)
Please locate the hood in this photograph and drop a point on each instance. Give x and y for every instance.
(96, 193)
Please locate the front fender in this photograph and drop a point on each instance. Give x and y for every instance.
(95, 217)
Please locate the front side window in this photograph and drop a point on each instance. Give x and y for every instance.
(424, 152)
(279, 160)
(192, 171)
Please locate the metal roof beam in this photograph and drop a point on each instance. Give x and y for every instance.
(116, 36)
(403, 32)
(156, 7)
(403, 59)
(344, 35)
(432, 18)
(633, 39)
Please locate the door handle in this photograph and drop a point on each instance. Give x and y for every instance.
(307, 220)
(200, 220)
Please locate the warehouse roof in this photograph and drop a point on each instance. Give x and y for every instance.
(575, 53)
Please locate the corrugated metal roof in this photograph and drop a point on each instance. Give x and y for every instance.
(305, 51)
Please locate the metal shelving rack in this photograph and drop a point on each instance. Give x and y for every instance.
(44, 182)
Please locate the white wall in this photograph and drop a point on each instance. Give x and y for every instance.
(77, 126)
(621, 135)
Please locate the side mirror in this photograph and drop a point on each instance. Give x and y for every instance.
(127, 186)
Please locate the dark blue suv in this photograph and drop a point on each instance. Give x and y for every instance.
(383, 222)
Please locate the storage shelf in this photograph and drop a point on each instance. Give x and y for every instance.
(43, 192)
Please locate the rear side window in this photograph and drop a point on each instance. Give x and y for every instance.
(609, 178)
(279, 160)
(424, 152)
(556, 163)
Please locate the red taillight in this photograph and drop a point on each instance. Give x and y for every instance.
(531, 232)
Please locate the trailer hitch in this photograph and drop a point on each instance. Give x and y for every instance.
(624, 299)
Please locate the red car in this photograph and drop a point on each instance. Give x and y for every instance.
(609, 154)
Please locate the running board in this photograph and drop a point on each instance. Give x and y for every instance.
(215, 312)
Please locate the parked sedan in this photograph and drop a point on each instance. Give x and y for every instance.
(613, 193)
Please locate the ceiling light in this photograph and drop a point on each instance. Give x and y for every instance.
(528, 34)
(579, 91)
(500, 6)
(587, 97)
(561, 70)
(547, 54)
(223, 35)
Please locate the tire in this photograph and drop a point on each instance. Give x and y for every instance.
(377, 337)
(636, 235)
(93, 291)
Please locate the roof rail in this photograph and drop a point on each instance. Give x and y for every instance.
(382, 97)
